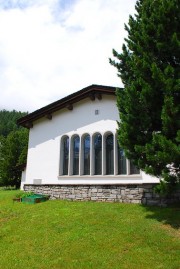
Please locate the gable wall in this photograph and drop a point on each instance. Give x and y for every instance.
(44, 138)
(43, 162)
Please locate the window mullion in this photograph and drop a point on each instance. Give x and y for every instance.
(128, 166)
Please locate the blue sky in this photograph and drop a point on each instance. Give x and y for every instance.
(51, 48)
(23, 4)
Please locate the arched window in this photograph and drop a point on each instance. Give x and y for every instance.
(76, 155)
(86, 155)
(98, 154)
(122, 170)
(109, 155)
(133, 169)
(65, 149)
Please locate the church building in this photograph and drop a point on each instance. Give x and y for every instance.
(73, 152)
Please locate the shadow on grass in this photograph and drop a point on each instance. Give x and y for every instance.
(167, 215)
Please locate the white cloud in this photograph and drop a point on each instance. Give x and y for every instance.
(51, 48)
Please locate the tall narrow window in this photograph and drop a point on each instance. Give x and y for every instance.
(109, 155)
(134, 169)
(65, 147)
(76, 155)
(87, 155)
(122, 170)
(98, 154)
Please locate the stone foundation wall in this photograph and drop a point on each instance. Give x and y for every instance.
(139, 194)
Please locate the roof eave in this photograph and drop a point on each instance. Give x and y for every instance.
(91, 91)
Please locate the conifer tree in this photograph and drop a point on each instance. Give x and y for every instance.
(149, 104)
(13, 152)
(13, 147)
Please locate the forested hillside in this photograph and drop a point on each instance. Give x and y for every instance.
(8, 121)
(13, 147)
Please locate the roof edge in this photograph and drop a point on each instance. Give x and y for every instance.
(93, 91)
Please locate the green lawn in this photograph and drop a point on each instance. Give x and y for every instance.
(63, 234)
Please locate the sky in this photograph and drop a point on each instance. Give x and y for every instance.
(52, 48)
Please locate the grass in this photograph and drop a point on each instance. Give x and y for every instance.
(63, 234)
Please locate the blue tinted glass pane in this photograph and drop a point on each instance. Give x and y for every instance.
(65, 155)
(76, 155)
(98, 154)
(109, 155)
(122, 170)
(87, 155)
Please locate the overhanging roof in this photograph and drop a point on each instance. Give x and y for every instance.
(92, 91)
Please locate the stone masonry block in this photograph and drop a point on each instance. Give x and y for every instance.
(94, 190)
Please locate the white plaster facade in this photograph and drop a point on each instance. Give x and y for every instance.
(44, 162)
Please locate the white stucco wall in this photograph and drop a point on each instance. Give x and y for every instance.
(23, 178)
(44, 142)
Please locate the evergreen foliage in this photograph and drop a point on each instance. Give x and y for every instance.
(8, 121)
(13, 148)
(149, 104)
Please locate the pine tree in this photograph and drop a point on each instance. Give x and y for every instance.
(149, 104)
